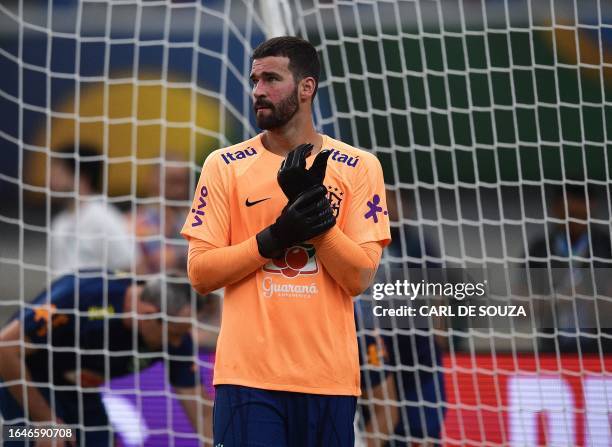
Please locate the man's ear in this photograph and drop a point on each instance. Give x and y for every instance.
(307, 88)
(146, 308)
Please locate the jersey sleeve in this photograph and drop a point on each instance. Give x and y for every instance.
(183, 371)
(53, 315)
(367, 214)
(209, 216)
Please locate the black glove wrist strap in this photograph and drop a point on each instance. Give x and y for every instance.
(268, 245)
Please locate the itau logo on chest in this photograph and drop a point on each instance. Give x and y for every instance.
(229, 157)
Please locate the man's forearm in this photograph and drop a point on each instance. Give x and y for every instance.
(385, 417)
(11, 363)
(211, 268)
(191, 409)
(350, 264)
(384, 422)
(192, 399)
(37, 407)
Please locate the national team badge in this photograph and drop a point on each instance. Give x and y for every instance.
(334, 196)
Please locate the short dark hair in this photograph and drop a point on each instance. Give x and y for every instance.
(580, 191)
(303, 58)
(170, 295)
(90, 163)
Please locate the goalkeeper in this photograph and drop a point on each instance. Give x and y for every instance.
(86, 330)
(292, 236)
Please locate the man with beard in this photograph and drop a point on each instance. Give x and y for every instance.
(292, 246)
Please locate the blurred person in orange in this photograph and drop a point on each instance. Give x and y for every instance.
(291, 246)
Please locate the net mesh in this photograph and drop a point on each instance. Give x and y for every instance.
(489, 118)
(479, 111)
(148, 88)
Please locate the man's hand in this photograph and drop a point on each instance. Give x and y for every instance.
(293, 177)
(13, 368)
(308, 216)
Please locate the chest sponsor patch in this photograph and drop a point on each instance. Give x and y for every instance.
(297, 260)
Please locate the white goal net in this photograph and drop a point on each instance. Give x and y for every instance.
(491, 119)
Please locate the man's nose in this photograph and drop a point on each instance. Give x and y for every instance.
(259, 90)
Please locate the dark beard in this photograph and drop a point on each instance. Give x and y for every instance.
(280, 114)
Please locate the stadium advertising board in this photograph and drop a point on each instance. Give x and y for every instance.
(528, 400)
(503, 399)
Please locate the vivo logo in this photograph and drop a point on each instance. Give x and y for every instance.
(198, 212)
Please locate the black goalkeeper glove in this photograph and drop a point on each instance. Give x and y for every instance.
(308, 216)
(293, 177)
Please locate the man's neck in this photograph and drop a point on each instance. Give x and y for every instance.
(282, 140)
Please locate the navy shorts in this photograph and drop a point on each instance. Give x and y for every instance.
(98, 432)
(252, 417)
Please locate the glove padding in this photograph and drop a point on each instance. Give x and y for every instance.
(293, 177)
(308, 216)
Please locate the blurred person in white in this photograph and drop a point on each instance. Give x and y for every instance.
(88, 232)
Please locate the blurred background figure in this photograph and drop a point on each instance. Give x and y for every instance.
(160, 218)
(157, 224)
(76, 312)
(87, 231)
(402, 366)
(567, 264)
(209, 321)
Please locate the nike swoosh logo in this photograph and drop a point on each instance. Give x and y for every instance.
(247, 203)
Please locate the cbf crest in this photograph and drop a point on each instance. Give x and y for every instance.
(334, 195)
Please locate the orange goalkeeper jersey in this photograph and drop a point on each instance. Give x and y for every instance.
(287, 326)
